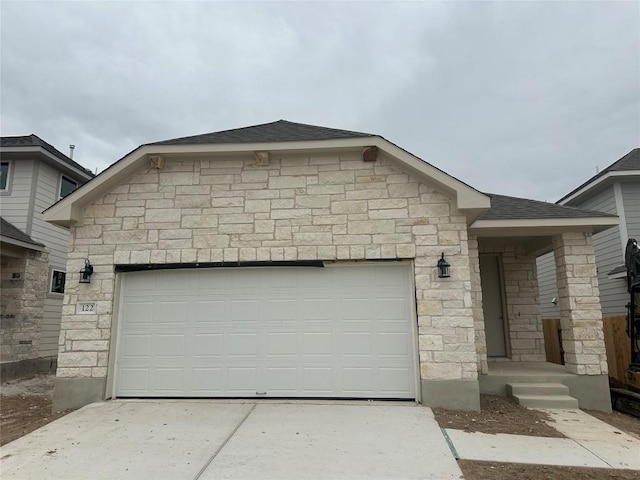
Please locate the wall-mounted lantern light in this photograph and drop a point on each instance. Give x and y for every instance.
(86, 272)
(443, 267)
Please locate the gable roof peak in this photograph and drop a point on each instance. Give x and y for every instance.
(272, 132)
(629, 162)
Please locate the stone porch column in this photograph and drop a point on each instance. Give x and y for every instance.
(579, 302)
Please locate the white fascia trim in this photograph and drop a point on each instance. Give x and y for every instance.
(598, 181)
(49, 155)
(68, 210)
(546, 222)
(19, 243)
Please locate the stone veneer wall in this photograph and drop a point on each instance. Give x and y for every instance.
(579, 302)
(526, 335)
(22, 305)
(324, 207)
(478, 314)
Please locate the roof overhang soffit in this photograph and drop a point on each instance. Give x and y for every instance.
(69, 210)
(540, 226)
(20, 244)
(47, 156)
(598, 183)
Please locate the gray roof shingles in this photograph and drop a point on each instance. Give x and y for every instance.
(35, 141)
(631, 161)
(514, 208)
(10, 231)
(280, 131)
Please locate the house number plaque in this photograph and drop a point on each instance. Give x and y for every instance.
(86, 308)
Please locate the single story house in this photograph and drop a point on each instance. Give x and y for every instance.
(291, 260)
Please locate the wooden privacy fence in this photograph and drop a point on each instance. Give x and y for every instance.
(615, 338)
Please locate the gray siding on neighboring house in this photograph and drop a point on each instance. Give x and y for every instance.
(57, 241)
(56, 238)
(631, 201)
(14, 204)
(547, 284)
(609, 255)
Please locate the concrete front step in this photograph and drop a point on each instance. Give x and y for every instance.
(542, 395)
(537, 389)
(561, 402)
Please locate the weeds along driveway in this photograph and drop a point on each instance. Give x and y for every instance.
(194, 439)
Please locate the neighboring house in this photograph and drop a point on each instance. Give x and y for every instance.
(614, 190)
(33, 253)
(289, 260)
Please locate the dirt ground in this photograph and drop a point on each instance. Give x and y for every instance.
(25, 405)
(498, 415)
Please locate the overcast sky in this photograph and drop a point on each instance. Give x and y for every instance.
(523, 99)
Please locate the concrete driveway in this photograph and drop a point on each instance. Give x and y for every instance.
(203, 440)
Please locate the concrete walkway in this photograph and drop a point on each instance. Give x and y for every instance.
(590, 443)
(203, 440)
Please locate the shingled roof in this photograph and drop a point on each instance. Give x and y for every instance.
(280, 131)
(8, 230)
(35, 141)
(631, 161)
(511, 208)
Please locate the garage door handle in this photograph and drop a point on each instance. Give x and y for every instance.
(261, 393)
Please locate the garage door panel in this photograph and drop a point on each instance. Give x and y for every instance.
(135, 346)
(208, 381)
(395, 379)
(134, 381)
(282, 343)
(168, 381)
(208, 345)
(317, 308)
(280, 309)
(210, 311)
(242, 380)
(393, 343)
(342, 331)
(170, 312)
(355, 308)
(358, 381)
(242, 344)
(282, 381)
(357, 343)
(244, 311)
(138, 312)
(391, 309)
(170, 345)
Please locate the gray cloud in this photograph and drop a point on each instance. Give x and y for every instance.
(516, 98)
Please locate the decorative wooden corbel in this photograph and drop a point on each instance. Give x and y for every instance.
(156, 161)
(262, 158)
(370, 154)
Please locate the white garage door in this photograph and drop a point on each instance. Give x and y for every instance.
(339, 331)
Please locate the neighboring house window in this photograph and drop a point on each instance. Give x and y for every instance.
(67, 186)
(4, 177)
(57, 281)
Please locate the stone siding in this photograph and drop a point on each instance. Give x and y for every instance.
(525, 329)
(299, 207)
(579, 302)
(478, 314)
(24, 284)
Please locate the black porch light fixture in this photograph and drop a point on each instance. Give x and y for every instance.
(86, 272)
(443, 267)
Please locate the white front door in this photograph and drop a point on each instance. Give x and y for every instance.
(339, 331)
